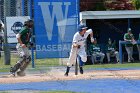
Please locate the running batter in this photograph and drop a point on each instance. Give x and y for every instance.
(78, 47)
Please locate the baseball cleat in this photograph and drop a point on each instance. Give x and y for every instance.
(12, 75)
(67, 71)
(81, 70)
(66, 74)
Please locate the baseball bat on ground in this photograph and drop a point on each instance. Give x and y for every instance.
(76, 64)
(76, 67)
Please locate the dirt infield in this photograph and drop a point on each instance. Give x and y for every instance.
(58, 75)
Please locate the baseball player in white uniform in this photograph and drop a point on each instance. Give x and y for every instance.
(78, 47)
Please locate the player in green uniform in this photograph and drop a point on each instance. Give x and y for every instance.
(129, 37)
(96, 52)
(111, 51)
(22, 47)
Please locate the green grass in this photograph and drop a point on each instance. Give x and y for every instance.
(20, 91)
(125, 65)
(38, 63)
(47, 62)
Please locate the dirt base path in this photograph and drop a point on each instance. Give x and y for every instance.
(58, 75)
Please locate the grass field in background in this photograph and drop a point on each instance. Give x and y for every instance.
(125, 65)
(49, 62)
(38, 91)
(38, 63)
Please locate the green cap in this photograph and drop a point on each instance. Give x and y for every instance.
(129, 30)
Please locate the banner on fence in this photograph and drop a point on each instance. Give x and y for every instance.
(55, 24)
(14, 24)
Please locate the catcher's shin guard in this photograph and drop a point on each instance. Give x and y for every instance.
(25, 64)
(17, 65)
(15, 68)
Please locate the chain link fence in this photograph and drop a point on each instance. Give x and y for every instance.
(8, 53)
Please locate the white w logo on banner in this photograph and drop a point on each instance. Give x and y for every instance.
(57, 13)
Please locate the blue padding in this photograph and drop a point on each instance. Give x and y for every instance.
(86, 86)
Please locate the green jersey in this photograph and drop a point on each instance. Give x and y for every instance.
(110, 47)
(95, 48)
(128, 37)
(25, 35)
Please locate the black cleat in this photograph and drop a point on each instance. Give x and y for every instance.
(12, 74)
(81, 70)
(67, 71)
(66, 74)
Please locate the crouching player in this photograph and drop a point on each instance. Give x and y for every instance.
(22, 47)
(78, 48)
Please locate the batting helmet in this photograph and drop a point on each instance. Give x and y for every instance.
(81, 27)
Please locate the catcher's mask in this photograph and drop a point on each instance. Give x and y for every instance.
(29, 23)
